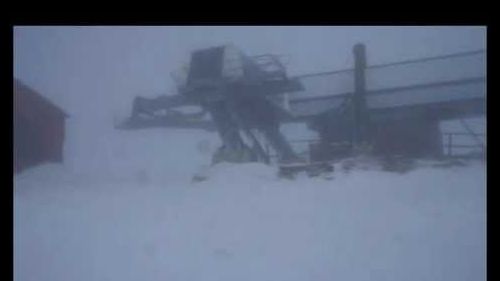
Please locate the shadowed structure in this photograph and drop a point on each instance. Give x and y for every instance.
(38, 129)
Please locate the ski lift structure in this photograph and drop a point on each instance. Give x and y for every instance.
(393, 108)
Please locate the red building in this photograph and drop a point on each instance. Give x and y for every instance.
(38, 128)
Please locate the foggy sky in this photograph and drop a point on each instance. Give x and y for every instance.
(94, 72)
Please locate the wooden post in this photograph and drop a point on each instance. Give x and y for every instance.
(359, 99)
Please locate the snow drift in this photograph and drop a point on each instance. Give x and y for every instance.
(129, 211)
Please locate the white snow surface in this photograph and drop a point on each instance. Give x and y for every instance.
(129, 211)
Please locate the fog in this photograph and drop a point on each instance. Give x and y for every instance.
(111, 65)
(94, 72)
(150, 204)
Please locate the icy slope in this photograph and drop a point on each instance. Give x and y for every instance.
(130, 212)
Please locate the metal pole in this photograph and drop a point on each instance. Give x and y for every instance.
(359, 100)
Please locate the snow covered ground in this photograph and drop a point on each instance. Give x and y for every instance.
(123, 207)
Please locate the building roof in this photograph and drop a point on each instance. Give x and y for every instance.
(31, 101)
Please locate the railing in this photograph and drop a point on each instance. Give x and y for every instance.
(305, 152)
(449, 143)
